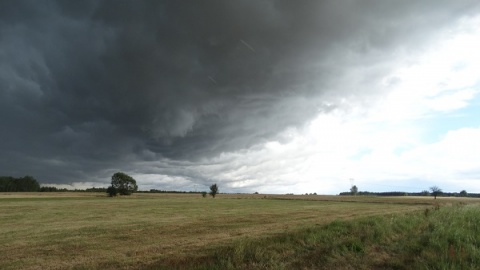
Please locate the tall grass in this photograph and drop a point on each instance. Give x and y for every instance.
(448, 238)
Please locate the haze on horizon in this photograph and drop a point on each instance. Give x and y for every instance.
(266, 96)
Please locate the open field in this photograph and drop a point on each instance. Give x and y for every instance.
(92, 231)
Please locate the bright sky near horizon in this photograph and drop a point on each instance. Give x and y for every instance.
(270, 97)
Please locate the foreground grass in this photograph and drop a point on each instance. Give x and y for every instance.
(448, 238)
(151, 231)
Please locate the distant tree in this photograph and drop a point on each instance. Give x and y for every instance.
(204, 194)
(463, 193)
(7, 184)
(354, 190)
(213, 190)
(48, 189)
(435, 191)
(111, 191)
(425, 193)
(94, 189)
(123, 183)
(27, 184)
(22, 184)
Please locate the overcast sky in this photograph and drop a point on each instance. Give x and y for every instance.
(267, 96)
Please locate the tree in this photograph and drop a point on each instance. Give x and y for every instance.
(463, 193)
(435, 191)
(22, 184)
(213, 190)
(111, 191)
(27, 183)
(7, 184)
(425, 193)
(354, 190)
(123, 183)
(204, 194)
(48, 189)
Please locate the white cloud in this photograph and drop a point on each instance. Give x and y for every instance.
(457, 152)
(444, 78)
(377, 145)
(451, 101)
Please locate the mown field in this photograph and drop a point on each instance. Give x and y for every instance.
(186, 231)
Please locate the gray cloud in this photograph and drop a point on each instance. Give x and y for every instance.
(87, 87)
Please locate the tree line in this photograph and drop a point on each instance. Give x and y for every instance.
(434, 191)
(21, 184)
(121, 183)
(124, 184)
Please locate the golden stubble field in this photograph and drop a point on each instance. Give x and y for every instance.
(92, 231)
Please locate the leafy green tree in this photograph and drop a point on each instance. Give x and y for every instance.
(7, 184)
(123, 184)
(435, 191)
(27, 184)
(463, 193)
(111, 191)
(204, 194)
(213, 190)
(22, 184)
(48, 189)
(354, 190)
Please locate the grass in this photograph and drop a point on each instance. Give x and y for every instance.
(155, 231)
(445, 239)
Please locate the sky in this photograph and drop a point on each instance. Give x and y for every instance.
(256, 96)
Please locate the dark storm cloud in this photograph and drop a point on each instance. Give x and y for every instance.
(87, 86)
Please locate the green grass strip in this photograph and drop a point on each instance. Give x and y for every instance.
(448, 238)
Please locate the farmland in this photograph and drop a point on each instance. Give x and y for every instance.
(151, 231)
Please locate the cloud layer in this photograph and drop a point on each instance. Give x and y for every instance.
(187, 91)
